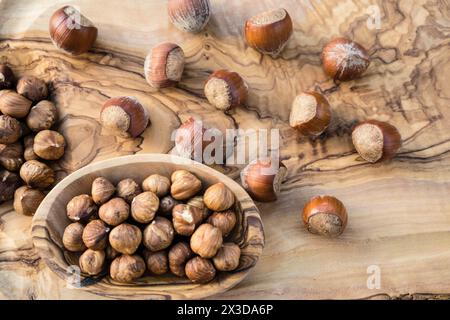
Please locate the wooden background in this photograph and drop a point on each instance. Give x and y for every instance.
(399, 213)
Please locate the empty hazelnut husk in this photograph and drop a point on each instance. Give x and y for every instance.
(128, 189)
(73, 237)
(158, 184)
(10, 129)
(126, 268)
(189, 15)
(227, 258)
(179, 254)
(144, 207)
(102, 190)
(226, 90)
(49, 145)
(158, 235)
(42, 116)
(206, 240)
(32, 88)
(200, 270)
(125, 238)
(225, 221)
(157, 262)
(114, 212)
(9, 182)
(185, 219)
(37, 174)
(13, 104)
(11, 156)
(27, 200)
(92, 262)
(95, 235)
(81, 208)
(7, 78)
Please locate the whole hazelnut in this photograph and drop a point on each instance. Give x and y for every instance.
(114, 212)
(11, 156)
(102, 190)
(13, 104)
(49, 145)
(185, 219)
(325, 215)
(376, 140)
(179, 254)
(157, 262)
(164, 65)
(71, 31)
(166, 206)
(111, 253)
(42, 116)
(158, 184)
(126, 268)
(189, 142)
(92, 262)
(310, 114)
(128, 189)
(189, 15)
(144, 207)
(81, 208)
(200, 270)
(218, 197)
(7, 77)
(28, 153)
(344, 59)
(125, 238)
(184, 185)
(198, 202)
(9, 182)
(37, 174)
(32, 88)
(124, 116)
(27, 200)
(227, 258)
(226, 90)
(206, 241)
(10, 129)
(158, 235)
(95, 235)
(73, 237)
(269, 32)
(225, 221)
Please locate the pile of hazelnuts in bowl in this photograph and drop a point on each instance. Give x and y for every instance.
(158, 227)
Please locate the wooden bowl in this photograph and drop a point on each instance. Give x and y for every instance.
(50, 221)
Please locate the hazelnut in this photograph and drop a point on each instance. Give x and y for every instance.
(344, 59)
(128, 189)
(158, 235)
(73, 237)
(166, 206)
(184, 185)
(158, 184)
(32, 88)
(310, 114)
(144, 207)
(95, 235)
(206, 241)
(9, 182)
(227, 258)
(189, 139)
(198, 202)
(226, 90)
(164, 65)
(10, 129)
(13, 104)
(7, 77)
(262, 179)
(125, 238)
(179, 254)
(126, 268)
(200, 270)
(11, 156)
(218, 197)
(81, 208)
(28, 153)
(185, 219)
(325, 215)
(189, 15)
(114, 212)
(376, 140)
(27, 200)
(269, 32)
(71, 31)
(102, 190)
(124, 116)
(111, 253)
(37, 174)
(42, 116)
(49, 145)
(157, 262)
(225, 221)
(92, 262)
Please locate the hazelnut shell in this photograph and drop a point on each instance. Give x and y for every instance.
(81, 208)
(27, 200)
(102, 190)
(158, 184)
(32, 88)
(125, 238)
(184, 185)
(9, 182)
(11, 156)
(73, 237)
(200, 270)
(144, 207)
(126, 268)
(218, 197)
(128, 189)
(206, 241)
(37, 174)
(10, 129)
(157, 262)
(95, 235)
(42, 116)
(49, 145)
(92, 262)
(227, 258)
(189, 15)
(158, 235)
(13, 104)
(185, 219)
(114, 212)
(179, 254)
(7, 78)
(225, 221)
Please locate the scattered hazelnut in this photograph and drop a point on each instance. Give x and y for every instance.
(218, 197)
(189, 15)
(225, 221)
(269, 32)
(310, 114)
(73, 237)
(42, 116)
(226, 90)
(32, 88)
(189, 140)
(11, 156)
(158, 184)
(81, 208)
(157, 262)
(128, 189)
(95, 235)
(344, 59)
(325, 215)
(9, 182)
(158, 235)
(37, 174)
(166, 206)
(71, 31)
(13, 104)
(28, 153)
(7, 77)
(185, 219)
(27, 200)
(200, 270)
(227, 258)
(144, 207)
(111, 253)
(164, 65)
(126, 268)
(179, 254)
(125, 238)
(376, 140)
(114, 212)
(102, 190)
(49, 145)
(200, 204)
(124, 116)
(206, 241)
(10, 129)
(92, 262)
(184, 185)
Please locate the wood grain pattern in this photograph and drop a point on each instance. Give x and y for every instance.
(399, 213)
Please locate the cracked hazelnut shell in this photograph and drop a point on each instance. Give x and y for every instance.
(37, 174)
(32, 88)
(7, 78)
(10, 129)
(227, 258)
(95, 235)
(144, 207)
(102, 190)
(206, 240)
(218, 197)
(49, 145)
(27, 200)
(73, 237)
(92, 262)
(189, 15)
(226, 90)
(127, 268)
(114, 212)
(13, 104)
(81, 208)
(200, 270)
(158, 235)
(125, 238)
(42, 116)
(179, 254)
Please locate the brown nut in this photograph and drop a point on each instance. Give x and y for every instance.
(226, 90)
(9, 182)
(114, 212)
(325, 215)
(125, 238)
(37, 174)
(200, 270)
(158, 235)
(179, 254)
(218, 197)
(166, 206)
(185, 219)
(28, 153)
(71, 31)
(111, 253)
(128, 189)
(10, 129)
(49, 145)
(144, 207)
(7, 78)
(42, 116)
(27, 200)
(95, 235)
(13, 104)
(157, 262)
(158, 184)
(32, 88)
(225, 221)
(189, 142)
(81, 208)
(92, 262)
(102, 190)
(200, 204)
(189, 15)
(376, 140)
(184, 185)
(206, 241)
(11, 156)
(73, 237)
(126, 268)
(227, 258)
